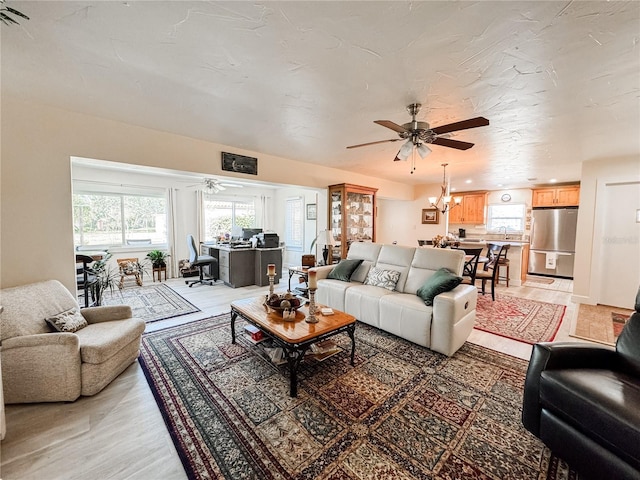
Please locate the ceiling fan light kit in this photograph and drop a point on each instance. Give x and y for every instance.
(418, 134)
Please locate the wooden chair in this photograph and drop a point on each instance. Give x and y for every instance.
(470, 269)
(492, 267)
(129, 267)
(85, 279)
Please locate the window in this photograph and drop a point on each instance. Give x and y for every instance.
(510, 217)
(116, 220)
(224, 217)
(294, 224)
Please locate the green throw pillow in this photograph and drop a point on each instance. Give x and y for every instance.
(344, 270)
(441, 281)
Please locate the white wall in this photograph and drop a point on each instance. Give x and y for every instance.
(35, 189)
(590, 234)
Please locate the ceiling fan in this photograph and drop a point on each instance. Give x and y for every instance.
(418, 134)
(211, 186)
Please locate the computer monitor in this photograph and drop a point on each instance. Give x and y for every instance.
(247, 233)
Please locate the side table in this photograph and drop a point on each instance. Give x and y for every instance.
(160, 270)
(304, 274)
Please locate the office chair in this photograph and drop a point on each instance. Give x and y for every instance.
(201, 261)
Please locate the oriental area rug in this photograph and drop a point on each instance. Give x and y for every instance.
(403, 411)
(521, 319)
(151, 302)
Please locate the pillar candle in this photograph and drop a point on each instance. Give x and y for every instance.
(271, 269)
(313, 281)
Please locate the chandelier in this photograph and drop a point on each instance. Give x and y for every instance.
(443, 202)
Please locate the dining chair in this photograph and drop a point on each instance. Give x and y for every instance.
(85, 279)
(495, 253)
(470, 269)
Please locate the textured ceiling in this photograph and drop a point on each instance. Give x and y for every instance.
(559, 81)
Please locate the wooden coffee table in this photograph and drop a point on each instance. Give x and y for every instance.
(294, 337)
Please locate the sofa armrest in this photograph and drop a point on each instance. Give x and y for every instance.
(560, 355)
(106, 313)
(41, 368)
(322, 271)
(455, 304)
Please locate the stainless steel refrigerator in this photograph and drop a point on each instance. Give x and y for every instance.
(553, 241)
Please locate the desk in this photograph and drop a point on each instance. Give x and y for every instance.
(240, 267)
(304, 273)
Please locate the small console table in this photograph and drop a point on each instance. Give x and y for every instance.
(159, 270)
(304, 273)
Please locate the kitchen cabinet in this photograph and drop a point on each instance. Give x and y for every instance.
(352, 212)
(567, 196)
(471, 210)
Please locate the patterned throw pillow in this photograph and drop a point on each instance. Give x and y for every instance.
(68, 321)
(382, 278)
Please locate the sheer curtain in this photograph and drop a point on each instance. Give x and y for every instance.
(172, 232)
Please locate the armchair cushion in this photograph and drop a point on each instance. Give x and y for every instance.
(67, 321)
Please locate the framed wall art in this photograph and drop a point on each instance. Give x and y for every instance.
(232, 162)
(312, 212)
(430, 216)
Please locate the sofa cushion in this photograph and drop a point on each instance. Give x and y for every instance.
(398, 258)
(600, 403)
(378, 277)
(441, 281)
(344, 270)
(68, 321)
(427, 261)
(368, 253)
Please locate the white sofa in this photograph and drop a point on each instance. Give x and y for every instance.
(443, 327)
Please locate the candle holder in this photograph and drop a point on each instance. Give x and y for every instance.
(311, 318)
(271, 283)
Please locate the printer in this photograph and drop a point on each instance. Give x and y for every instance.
(268, 240)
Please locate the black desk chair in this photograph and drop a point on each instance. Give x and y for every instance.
(201, 261)
(85, 278)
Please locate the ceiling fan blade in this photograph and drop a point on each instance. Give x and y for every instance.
(463, 125)
(447, 142)
(393, 126)
(373, 143)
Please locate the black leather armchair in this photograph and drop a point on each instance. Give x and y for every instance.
(583, 402)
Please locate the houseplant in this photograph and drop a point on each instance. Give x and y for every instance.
(106, 277)
(158, 258)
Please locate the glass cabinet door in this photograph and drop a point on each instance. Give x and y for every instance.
(351, 216)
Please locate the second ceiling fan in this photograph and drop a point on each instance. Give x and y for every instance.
(418, 134)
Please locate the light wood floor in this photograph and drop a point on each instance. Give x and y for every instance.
(119, 433)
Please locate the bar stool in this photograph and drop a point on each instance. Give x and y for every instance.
(503, 262)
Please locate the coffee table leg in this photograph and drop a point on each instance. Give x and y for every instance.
(351, 331)
(234, 315)
(294, 357)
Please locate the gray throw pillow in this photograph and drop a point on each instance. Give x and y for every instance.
(344, 270)
(68, 321)
(441, 281)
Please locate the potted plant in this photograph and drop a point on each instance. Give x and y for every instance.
(106, 277)
(158, 258)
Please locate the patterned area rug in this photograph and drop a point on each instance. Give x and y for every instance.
(517, 318)
(599, 323)
(403, 412)
(151, 302)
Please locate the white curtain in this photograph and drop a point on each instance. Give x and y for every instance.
(171, 232)
(264, 220)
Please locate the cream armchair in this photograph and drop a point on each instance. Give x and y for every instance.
(40, 364)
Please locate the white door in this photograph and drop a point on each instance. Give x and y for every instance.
(620, 244)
